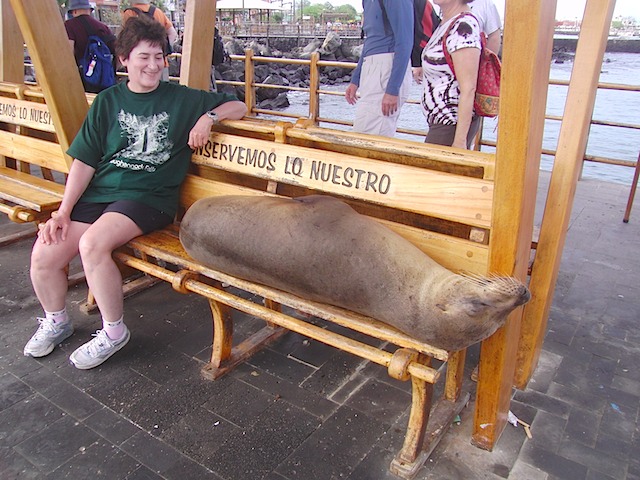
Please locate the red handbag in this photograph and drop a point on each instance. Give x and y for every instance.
(487, 98)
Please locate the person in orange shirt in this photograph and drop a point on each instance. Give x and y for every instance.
(144, 6)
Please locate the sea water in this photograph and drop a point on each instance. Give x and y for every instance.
(617, 143)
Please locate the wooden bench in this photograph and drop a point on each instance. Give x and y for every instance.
(409, 187)
(33, 167)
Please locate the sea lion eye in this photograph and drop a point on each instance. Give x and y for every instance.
(475, 306)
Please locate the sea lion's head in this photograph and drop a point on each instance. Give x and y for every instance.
(475, 307)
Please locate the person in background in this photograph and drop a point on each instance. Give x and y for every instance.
(447, 99)
(158, 15)
(490, 23)
(78, 28)
(129, 159)
(383, 73)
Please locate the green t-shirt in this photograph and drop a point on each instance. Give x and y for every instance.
(137, 142)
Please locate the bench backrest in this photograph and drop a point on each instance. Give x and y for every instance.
(442, 205)
(27, 132)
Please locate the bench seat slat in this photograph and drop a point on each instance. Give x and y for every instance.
(165, 245)
(29, 191)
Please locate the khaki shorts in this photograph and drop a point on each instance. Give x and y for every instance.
(376, 70)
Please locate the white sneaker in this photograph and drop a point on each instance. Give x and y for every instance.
(48, 335)
(97, 351)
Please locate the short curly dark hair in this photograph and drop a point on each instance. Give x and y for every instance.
(137, 29)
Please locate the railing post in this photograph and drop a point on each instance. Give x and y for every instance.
(314, 86)
(249, 71)
(632, 193)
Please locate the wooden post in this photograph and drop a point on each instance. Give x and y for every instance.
(572, 142)
(11, 46)
(197, 45)
(55, 67)
(249, 74)
(528, 43)
(314, 86)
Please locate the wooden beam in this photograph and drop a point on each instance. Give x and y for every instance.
(56, 71)
(11, 46)
(572, 143)
(528, 43)
(197, 45)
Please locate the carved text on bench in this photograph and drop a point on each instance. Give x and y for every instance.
(290, 165)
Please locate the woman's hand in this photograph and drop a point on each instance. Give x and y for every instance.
(55, 229)
(200, 133)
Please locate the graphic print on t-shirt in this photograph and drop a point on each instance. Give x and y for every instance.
(148, 140)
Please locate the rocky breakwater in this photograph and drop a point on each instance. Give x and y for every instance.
(331, 48)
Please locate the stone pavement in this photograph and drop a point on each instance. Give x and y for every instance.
(302, 410)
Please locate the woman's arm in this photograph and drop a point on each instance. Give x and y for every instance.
(199, 134)
(465, 63)
(79, 177)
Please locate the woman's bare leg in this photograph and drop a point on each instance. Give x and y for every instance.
(109, 232)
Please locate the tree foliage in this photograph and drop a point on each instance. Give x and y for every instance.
(317, 9)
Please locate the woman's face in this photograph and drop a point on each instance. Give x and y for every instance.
(144, 65)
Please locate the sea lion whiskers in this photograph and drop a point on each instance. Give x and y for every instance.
(501, 285)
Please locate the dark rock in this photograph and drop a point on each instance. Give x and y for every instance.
(279, 102)
(270, 93)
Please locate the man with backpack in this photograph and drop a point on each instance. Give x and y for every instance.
(145, 7)
(93, 46)
(383, 74)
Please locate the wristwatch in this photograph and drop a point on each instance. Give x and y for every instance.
(213, 116)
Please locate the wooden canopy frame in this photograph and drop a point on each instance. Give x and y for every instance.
(510, 356)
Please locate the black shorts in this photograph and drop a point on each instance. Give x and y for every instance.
(144, 216)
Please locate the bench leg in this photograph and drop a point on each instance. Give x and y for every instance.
(455, 375)
(224, 357)
(223, 333)
(426, 427)
(408, 460)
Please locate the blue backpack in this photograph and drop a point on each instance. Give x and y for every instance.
(96, 65)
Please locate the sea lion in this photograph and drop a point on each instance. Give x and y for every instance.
(319, 248)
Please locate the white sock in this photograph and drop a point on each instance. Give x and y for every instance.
(57, 317)
(114, 330)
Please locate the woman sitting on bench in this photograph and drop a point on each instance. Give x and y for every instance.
(130, 157)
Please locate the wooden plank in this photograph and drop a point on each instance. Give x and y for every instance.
(408, 152)
(572, 142)
(30, 198)
(26, 114)
(33, 150)
(197, 44)
(55, 66)
(32, 181)
(11, 46)
(528, 43)
(29, 191)
(443, 195)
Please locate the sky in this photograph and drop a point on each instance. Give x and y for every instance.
(567, 9)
